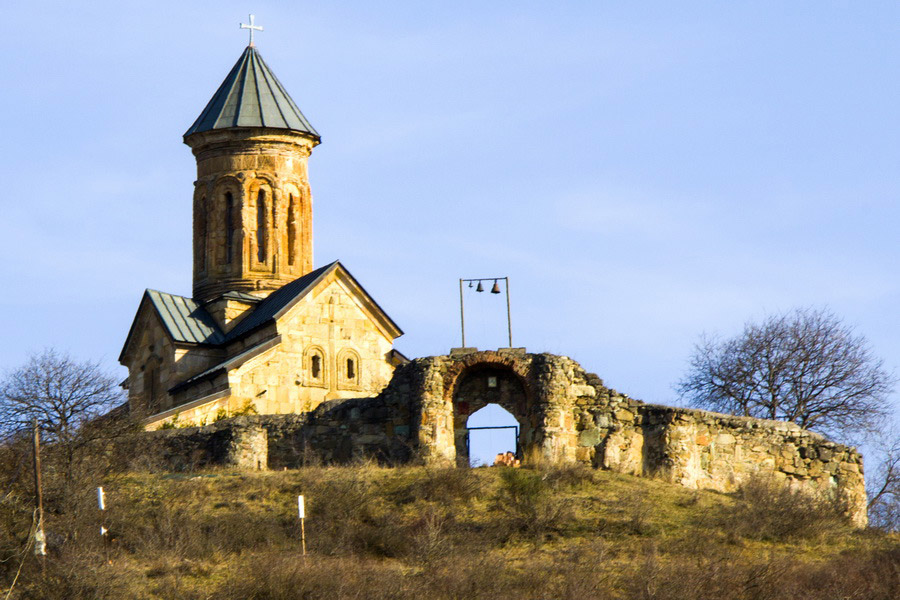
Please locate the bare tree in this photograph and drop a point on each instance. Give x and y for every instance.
(804, 366)
(60, 393)
(883, 485)
(66, 397)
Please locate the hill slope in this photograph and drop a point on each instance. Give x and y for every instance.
(481, 533)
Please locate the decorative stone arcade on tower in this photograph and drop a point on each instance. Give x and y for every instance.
(263, 331)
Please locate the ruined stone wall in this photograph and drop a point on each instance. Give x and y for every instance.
(566, 415)
(448, 394)
(240, 443)
(338, 431)
(705, 450)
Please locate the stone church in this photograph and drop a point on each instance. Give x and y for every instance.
(263, 331)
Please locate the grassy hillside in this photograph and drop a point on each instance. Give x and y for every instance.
(372, 532)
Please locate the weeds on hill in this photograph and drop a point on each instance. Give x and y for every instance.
(407, 533)
(528, 505)
(774, 511)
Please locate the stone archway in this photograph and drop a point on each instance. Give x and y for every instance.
(541, 393)
(490, 383)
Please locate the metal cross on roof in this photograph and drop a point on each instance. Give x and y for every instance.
(252, 28)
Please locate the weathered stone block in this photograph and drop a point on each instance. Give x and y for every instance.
(590, 437)
(624, 415)
(584, 390)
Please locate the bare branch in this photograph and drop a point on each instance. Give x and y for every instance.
(61, 393)
(805, 366)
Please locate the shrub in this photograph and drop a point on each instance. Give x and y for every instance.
(561, 475)
(769, 510)
(443, 484)
(75, 575)
(290, 576)
(529, 505)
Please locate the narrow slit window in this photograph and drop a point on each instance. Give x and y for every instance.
(351, 369)
(152, 386)
(261, 226)
(315, 366)
(201, 235)
(291, 230)
(274, 214)
(229, 228)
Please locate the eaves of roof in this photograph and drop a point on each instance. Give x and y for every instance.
(228, 364)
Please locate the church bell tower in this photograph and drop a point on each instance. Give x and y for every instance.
(252, 200)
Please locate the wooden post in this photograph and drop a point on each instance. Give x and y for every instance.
(462, 313)
(40, 541)
(301, 509)
(303, 534)
(508, 313)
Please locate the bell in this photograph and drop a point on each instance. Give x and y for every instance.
(480, 288)
(470, 284)
(496, 288)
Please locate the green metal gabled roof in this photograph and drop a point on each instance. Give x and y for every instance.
(251, 96)
(185, 321)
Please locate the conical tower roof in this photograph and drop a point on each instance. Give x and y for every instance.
(251, 96)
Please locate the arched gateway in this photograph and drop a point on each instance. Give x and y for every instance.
(489, 383)
(529, 386)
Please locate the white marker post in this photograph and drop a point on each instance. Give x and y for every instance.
(301, 510)
(101, 504)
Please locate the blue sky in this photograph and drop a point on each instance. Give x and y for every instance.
(643, 172)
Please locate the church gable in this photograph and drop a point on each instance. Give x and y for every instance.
(333, 341)
(278, 304)
(149, 355)
(319, 338)
(170, 339)
(336, 304)
(182, 320)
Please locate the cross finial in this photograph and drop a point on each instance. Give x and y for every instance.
(252, 28)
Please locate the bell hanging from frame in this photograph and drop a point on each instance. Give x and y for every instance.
(496, 288)
(480, 287)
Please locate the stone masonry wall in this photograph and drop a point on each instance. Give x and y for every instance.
(239, 443)
(565, 414)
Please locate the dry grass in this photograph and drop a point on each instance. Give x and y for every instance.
(551, 532)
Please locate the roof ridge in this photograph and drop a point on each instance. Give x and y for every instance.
(166, 293)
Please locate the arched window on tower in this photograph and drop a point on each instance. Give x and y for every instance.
(229, 228)
(201, 234)
(261, 226)
(291, 230)
(273, 234)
